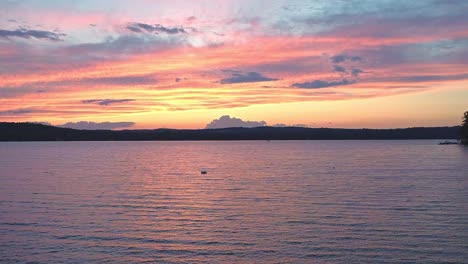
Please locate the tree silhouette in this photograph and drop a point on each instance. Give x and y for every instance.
(40, 132)
(464, 129)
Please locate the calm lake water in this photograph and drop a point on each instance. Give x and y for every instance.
(260, 202)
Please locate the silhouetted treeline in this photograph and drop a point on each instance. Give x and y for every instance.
(39, 132)
(464, 129)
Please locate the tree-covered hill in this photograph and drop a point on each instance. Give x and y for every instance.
(39, 132)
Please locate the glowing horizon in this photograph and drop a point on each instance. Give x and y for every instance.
(376, 64)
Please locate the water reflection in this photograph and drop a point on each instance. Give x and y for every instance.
(268, 202)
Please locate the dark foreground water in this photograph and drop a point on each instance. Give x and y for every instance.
(260, 202)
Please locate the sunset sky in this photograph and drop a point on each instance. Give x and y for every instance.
(181, 64)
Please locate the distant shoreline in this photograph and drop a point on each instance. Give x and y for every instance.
(20, 132)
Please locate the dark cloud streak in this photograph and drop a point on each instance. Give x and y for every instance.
(157, 28)
(238, 77)
(317, 84)
(106, 102)
(355, 72)
(338, 68)
(19, 111)
(342, 58)
(28, 34)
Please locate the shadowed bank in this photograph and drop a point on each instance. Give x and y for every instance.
(39, 132)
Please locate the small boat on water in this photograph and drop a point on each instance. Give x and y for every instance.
(203, 171)
(448, 142)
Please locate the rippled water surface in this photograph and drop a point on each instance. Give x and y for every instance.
(260, 202)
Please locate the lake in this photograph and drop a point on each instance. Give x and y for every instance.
(260, 202)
